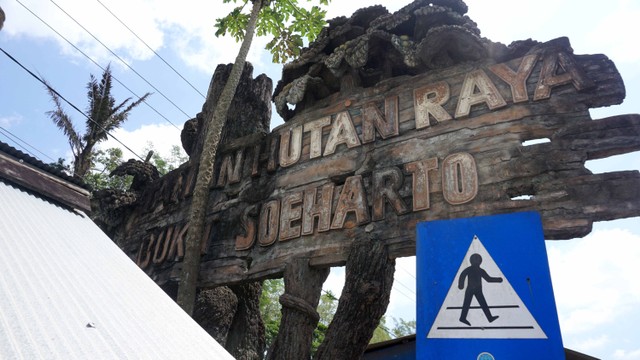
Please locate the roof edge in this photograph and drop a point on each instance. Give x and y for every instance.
(23, 172)
(6, 148)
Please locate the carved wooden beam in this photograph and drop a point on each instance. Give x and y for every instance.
(444, 144)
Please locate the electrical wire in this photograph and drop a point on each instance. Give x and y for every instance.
(17, 138)
(18, 144)
(406, 271)
(96, 64)
(68, 102)
(121, 60)
(405, 295)
(150, 48)
(411, 291)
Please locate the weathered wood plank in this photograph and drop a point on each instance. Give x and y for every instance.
(440, 167)
(43, 183)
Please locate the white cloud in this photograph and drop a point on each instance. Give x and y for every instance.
(187, 29)
(162, 137)
(335, 281)
(627, 355)
(346, 8)
(629, 161)
(611, 35)
(6, 121)
(190, 23)
(595, 279)
(191, 26)
(592, 344)
(21, 22)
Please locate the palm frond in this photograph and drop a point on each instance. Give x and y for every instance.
(97, 108)
(121, 112)
(106, 115)
(62, 120)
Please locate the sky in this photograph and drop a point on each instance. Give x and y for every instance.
(595, 278)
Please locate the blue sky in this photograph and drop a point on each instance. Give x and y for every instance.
(595, 278)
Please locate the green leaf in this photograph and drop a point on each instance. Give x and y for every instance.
(283, 20)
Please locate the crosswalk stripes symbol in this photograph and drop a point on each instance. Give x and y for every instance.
(482, 304)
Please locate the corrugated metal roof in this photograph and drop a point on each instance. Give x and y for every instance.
(4, 147)
(68, 292)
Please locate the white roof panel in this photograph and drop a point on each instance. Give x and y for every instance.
(68, 292)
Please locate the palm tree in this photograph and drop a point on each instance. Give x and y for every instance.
(103, 116)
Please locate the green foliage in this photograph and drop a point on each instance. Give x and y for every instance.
(272, 314)
(164, 165)
(326, 308)
(403, 328)
(103, 162)
(270, 308)
(381, 333)
(285, 20)
(61, 165)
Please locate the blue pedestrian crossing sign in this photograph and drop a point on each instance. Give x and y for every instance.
(484, 290)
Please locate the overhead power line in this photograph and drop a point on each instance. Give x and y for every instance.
(22, 144)
(150, 48)
(96, 63)
(68, 102)
(410, 290)
(17, 140)
(413, 299)
(121, 60)
(406, 271)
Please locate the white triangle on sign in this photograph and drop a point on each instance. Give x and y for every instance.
(513, 321)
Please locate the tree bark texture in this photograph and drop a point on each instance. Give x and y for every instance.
(250, 110)
(231, 315)
(246, 336)
(303, 286)
(82, 162)
(191, 262)
(364, 299)
(214, 311)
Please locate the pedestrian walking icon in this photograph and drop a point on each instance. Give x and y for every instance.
(475, 274)
(481, 303)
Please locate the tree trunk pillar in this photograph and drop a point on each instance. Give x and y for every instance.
(246, 335)
(364, 300)
(303, 286)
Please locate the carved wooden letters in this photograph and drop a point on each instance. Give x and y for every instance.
(375, 162)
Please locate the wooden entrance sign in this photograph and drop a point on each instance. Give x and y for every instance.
(375, 161)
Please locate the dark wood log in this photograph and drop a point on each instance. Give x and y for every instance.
(303, 286)
(250, 111)
(364, 299)
(214, 311)
(246, 339)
